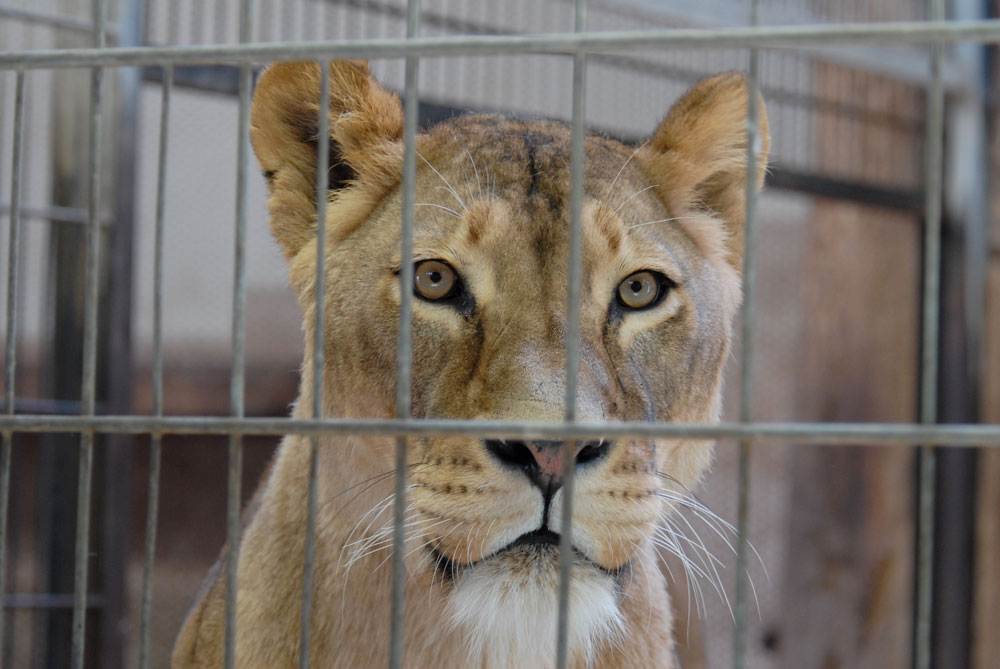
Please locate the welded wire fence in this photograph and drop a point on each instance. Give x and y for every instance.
(579, 45)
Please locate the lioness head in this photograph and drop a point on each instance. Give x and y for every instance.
(663, 236)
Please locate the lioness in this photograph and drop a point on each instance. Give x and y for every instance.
(663, 236)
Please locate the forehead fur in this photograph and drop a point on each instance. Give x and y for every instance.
(493, 171)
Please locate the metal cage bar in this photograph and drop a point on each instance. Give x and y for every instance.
(576, 169)
(930, 337)
(764, 37)
(319, 346)
(10, 354)
(238, 379)
(404, 349)
(747, 351)
(906, 434)
(88, 391)
(155, 446)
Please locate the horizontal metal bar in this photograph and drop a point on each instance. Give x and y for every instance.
(51, 20)
(36, 405)
(821, 433)
(887, 33)
(33, 600)
(52, 213)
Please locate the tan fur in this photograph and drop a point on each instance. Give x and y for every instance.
(506, 183)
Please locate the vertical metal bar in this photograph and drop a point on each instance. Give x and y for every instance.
(576, 170)
(10, 357)
(152, 508)
(746, 338)
(966, 168)
(89, 385)
(966, 192)
(404, 348)
(929, 349)
(319, 345)
(117, 368)
(236, 390)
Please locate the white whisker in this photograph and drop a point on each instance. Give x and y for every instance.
(638, 192)
(663, 220)
(447, 185)
(615, 180)
(666, 538)
(702, 552)
(479, 184)
(439, 206)
(715, 522)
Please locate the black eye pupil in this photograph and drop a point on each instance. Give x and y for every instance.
(636, 286)
(435, 277)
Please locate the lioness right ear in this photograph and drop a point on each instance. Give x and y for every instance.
(698, 155)
(366, 122)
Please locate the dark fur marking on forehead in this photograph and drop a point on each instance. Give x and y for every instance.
(532, 167)
(532, 142)
(541, 247)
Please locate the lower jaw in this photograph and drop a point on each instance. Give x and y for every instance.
(536, 559)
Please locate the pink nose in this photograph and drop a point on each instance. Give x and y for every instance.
(550, 457)
(543, 462)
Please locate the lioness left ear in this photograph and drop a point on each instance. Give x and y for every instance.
(366, 124)
(698, 155)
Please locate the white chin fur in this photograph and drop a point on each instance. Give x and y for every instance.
(507, 609)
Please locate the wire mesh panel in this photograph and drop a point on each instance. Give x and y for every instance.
(843, 294)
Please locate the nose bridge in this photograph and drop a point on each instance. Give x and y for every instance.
(539, 372)
(535, 382)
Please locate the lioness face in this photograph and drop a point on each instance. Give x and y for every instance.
(489, 339)
(662, 232)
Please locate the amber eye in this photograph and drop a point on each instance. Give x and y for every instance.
(434, 280)
(642, 289)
